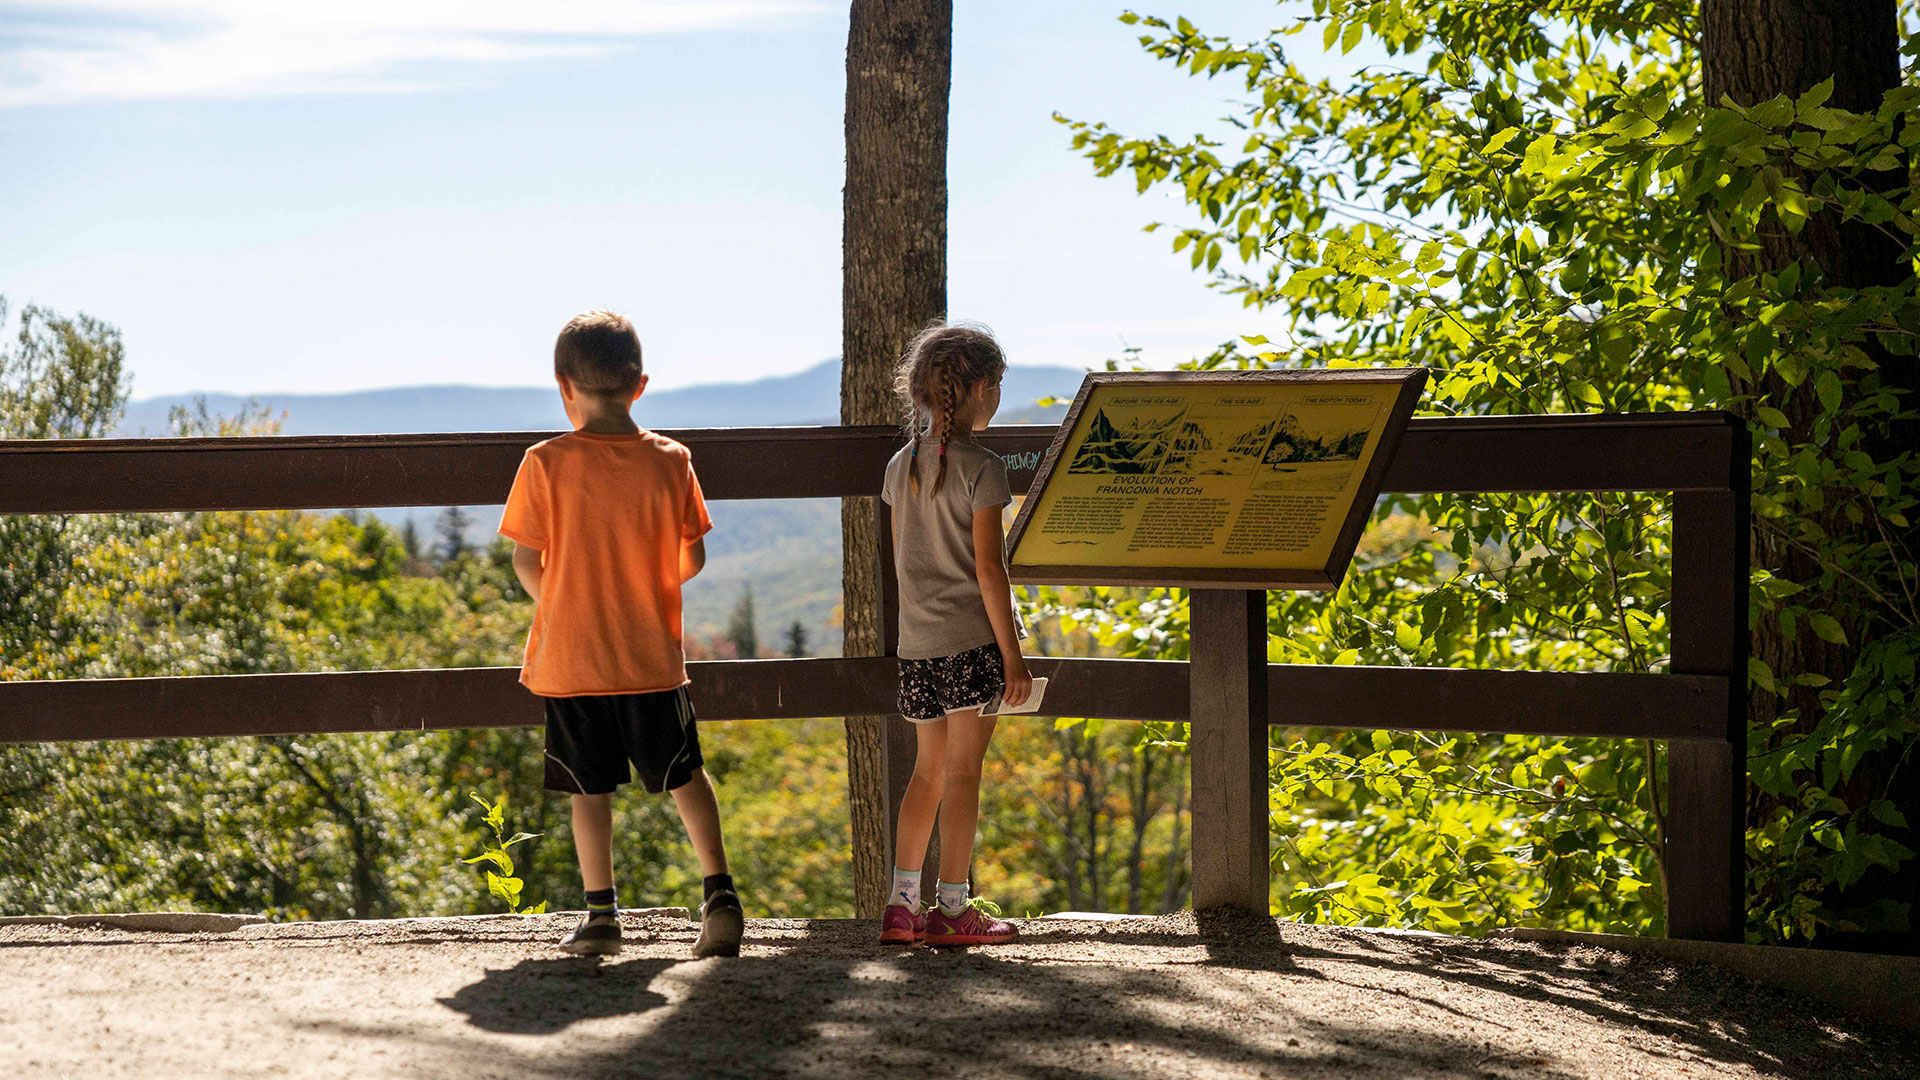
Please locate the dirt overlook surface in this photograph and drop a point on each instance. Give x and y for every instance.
(1175, 996)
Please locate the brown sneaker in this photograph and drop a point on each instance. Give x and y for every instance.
(721, 925)
(597, 935)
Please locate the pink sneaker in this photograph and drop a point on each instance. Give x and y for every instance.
(970, 927)
(901, 925)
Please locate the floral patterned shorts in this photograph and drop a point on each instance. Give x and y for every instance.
(930, 689)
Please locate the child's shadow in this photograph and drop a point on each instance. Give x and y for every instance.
(540, 997)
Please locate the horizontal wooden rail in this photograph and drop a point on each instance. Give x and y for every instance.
(1702, 458)
(1596, 704)
(1640, 452)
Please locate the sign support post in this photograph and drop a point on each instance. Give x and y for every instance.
(1228, 748)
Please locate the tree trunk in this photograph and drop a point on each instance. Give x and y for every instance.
(893, 282)
(1752, 51)
(1142, 815)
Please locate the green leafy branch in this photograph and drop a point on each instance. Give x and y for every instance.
(501, 881)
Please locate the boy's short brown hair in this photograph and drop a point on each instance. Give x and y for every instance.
(599, 353)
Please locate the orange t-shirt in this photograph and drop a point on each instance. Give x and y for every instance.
(609, 514)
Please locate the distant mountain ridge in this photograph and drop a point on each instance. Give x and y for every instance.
(807, 397)
(786, 550)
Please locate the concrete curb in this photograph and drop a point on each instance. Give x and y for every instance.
(164, 922)
(1883, 988)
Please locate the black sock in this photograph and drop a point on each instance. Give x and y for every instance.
(602, 902)
(716, 883)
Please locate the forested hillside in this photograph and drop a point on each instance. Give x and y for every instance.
(376, 825)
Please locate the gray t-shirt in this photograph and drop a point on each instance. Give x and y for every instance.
(941, 612)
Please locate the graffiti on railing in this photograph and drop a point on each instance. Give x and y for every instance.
(1025, 461)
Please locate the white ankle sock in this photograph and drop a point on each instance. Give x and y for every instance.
(906, 889)
(953, 898)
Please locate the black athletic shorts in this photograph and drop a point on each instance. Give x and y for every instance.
(591, 739)
(930, 689)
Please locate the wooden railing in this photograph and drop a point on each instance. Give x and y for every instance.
(1699, 708)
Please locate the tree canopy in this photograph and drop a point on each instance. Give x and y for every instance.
(1542, 206)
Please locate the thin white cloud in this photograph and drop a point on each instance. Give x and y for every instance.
(90, 50)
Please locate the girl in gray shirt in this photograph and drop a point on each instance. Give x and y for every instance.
(959, 639)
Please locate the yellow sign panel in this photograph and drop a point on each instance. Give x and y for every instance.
(1212, 476)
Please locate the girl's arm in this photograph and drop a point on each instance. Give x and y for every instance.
(526, 567)
(990, 566)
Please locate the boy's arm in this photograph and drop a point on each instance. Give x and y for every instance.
(990, 567)
(693, 558)
(526, 567)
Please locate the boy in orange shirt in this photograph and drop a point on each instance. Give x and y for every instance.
(607, 524)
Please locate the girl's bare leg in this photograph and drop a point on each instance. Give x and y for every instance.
(922, 800)
(967, 737)
(593, 840)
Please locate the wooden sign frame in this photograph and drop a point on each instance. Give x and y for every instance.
(1409, 382)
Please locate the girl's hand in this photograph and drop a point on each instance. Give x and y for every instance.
(1019, 680)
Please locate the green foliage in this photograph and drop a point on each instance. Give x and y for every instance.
(501, 884)
(1082, 815)
(1543, 210)
(314, 826)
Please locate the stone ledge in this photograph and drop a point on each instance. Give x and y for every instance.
(164, 922)
(209, 922)
(1883, 988)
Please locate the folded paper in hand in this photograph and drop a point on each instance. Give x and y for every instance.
(997, 707)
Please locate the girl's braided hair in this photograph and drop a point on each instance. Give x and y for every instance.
(943, 366)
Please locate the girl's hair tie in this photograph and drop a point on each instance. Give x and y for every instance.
(943, 449)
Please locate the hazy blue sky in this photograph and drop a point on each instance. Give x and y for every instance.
(318, 197)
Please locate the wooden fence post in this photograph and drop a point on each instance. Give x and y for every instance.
(1707, 781)
(1228, 748)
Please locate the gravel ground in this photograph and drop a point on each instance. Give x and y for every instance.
(1220, 996)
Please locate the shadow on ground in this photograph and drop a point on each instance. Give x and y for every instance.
(540, 997)
(1218, 996)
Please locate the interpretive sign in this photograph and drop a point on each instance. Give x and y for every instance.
(1248, 479)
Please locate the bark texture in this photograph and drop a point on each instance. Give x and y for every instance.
(1752, 51)
(893, 282)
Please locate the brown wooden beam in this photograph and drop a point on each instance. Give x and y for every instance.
(1608, 705)
(1564, 453)
(1651, 452)
(1682, 707)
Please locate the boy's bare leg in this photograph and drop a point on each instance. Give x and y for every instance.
(599, 932)
(593, 840)
(921, 803)
(968, 734)
(700, 813)
(722, 923)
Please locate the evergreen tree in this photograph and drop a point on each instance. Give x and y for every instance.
(797, 639)
(740, 628)
(452, 526)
